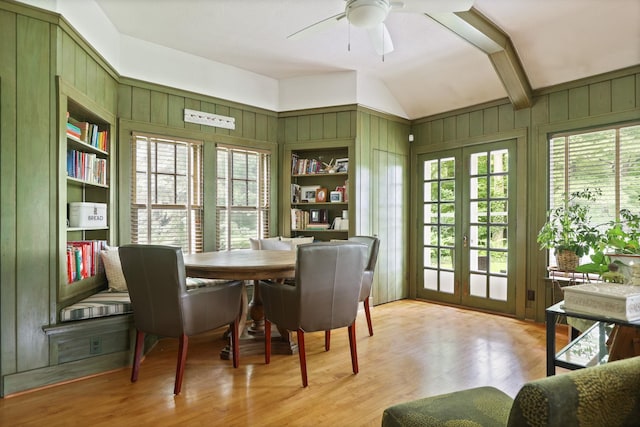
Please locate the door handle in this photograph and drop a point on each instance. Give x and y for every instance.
(464, 241)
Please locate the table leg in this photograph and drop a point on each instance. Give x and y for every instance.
(550, 318)
(252, 334)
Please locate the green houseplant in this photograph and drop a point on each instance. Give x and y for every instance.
(618, 250)
(568, 230)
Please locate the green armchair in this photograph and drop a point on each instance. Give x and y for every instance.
(606, 395)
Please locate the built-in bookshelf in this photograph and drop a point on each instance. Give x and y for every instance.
(318, 189)
(85, 193)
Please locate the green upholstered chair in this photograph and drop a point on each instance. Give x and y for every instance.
(606, 395)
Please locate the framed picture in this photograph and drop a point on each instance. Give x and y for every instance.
(342, 165)
(308, 193)
(321, 195)
(335, 196)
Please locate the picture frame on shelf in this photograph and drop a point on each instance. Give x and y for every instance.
(321, 195)
(342, 165)
(308, 193)
(335, 197)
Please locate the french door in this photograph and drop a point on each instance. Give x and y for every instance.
(467, 239)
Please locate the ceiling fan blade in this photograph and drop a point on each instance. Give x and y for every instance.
(318, 26)
(431, 6)
(380, 39)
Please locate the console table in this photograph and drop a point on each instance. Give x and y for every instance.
(588, 349)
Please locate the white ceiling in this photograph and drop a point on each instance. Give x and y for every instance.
(431, 70)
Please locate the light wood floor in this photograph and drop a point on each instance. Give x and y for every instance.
(418, 349)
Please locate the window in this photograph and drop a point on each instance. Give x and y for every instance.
(608, 159)
(166, 192)
(242, 207)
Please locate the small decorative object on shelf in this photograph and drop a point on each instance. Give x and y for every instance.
(336, 197)
(321, 195)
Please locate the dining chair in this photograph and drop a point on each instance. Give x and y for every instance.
(373, 243)
(324, 296)
(163, 306)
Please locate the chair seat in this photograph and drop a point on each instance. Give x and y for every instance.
(482, 406)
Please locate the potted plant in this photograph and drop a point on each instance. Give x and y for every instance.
(619, 250)
(568, 230)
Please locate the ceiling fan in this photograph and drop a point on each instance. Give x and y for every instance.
(371, 14)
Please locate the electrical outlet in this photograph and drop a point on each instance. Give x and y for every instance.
(531, 295)
(95, 346)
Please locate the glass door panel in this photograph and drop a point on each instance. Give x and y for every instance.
(467, 227)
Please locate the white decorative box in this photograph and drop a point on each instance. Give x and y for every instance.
(613, 300)
(87, 214)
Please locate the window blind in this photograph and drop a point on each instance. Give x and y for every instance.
(166, 193)
(243, 196)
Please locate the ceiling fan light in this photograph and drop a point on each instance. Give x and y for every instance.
(367, 13)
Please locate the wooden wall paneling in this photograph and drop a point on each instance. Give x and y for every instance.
(600, 98)
(381, 226)
(125, 95)
(248, 125)
(303, 126)
(159, 109)
(262, 127)
(237, 114)
(449, 128)
(558, 106)
(578, 102)
(34, 251)
(8, 193)
(330, 123)
(343, 124)
(67, 57)
(80, 65)
(505, 117)
(290, 129)
(490, 118)
(364, 184)
(437, 131)
(140, 104)
(476, 124)
(175, 111)
(316, 123)
(462, 126)
(623, 93)
(272, 128)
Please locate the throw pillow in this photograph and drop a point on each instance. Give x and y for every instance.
(256, 244)
(275, 245)
(295, 241)
(113, 269)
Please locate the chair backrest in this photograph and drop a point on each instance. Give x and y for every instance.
(328, 281)
(604, 395)
(374, 246)
(156, 280)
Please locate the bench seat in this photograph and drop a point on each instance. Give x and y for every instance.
(110, 303)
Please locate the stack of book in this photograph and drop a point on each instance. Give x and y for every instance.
(299, 219)
(83, 259)
(87, 167)
(88, 133)
(306, 166)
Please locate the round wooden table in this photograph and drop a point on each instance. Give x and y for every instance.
(253, 265)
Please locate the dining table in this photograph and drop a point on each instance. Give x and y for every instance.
(248, 265)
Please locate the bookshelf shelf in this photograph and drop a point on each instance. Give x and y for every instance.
(78, 181)
(308, 178)
(86, 150)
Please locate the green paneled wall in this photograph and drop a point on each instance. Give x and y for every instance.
(155, 109)
(592, 102)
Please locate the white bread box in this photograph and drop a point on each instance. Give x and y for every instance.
(87, 214)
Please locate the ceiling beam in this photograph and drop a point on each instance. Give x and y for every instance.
(478, 30)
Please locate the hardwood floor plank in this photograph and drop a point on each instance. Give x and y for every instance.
(418, 349)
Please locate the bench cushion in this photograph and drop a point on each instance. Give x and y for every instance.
(105, 303)
(109, 302)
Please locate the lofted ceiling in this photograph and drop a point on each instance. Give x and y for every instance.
(431, 70)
